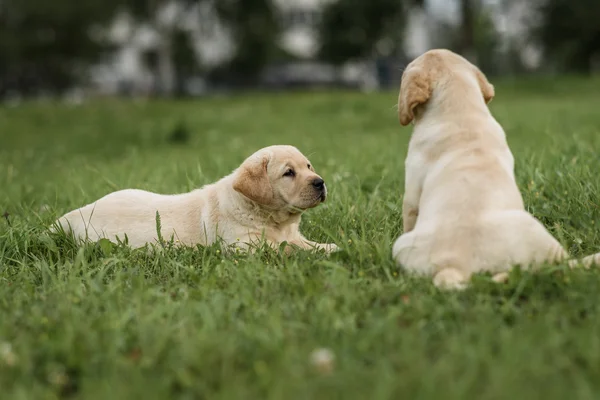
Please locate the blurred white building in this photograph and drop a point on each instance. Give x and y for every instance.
(213, 43)
(211, 40)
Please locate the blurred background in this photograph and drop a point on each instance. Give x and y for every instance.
(173, 48)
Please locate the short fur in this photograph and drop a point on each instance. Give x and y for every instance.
(462, 210)
(255, 201)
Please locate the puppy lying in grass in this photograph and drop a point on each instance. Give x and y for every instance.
(263, 199)
(462, 210)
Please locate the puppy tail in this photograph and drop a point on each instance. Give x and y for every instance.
(61, 225)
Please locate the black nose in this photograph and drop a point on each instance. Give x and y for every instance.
(318, 183)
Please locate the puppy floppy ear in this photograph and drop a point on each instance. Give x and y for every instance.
(252, 180)
(415, 90)
(487, 89)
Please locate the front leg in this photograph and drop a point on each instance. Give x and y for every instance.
(415, 174)
(410, 212)
(252, 241)
(304, 244)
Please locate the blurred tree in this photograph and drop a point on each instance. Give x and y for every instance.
(350, 29)
(47, 45)
(184, 59)
(486, 43)
(254, 29)
(466, 46)
(569, 31)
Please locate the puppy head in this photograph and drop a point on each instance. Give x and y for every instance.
(280, 178)
(435, 70)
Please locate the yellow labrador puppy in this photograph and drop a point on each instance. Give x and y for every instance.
(263, 198)
(462, 210)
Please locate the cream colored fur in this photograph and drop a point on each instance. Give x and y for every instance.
(462, 210)
(260, 199)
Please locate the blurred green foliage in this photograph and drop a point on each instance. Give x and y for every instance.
(51, 45)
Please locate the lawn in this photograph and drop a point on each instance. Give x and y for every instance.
(101, 322)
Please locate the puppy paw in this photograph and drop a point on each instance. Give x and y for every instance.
(330, 247)
(450, 279)
(327, 247)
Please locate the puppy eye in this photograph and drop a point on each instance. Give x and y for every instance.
(308, 165)
(289, 172)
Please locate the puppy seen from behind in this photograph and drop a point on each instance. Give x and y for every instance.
(462, 210)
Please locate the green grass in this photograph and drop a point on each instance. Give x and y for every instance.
(102, 322)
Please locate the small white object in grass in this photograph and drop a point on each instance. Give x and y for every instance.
(57, 376)
(7, 354)
(322, 359)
